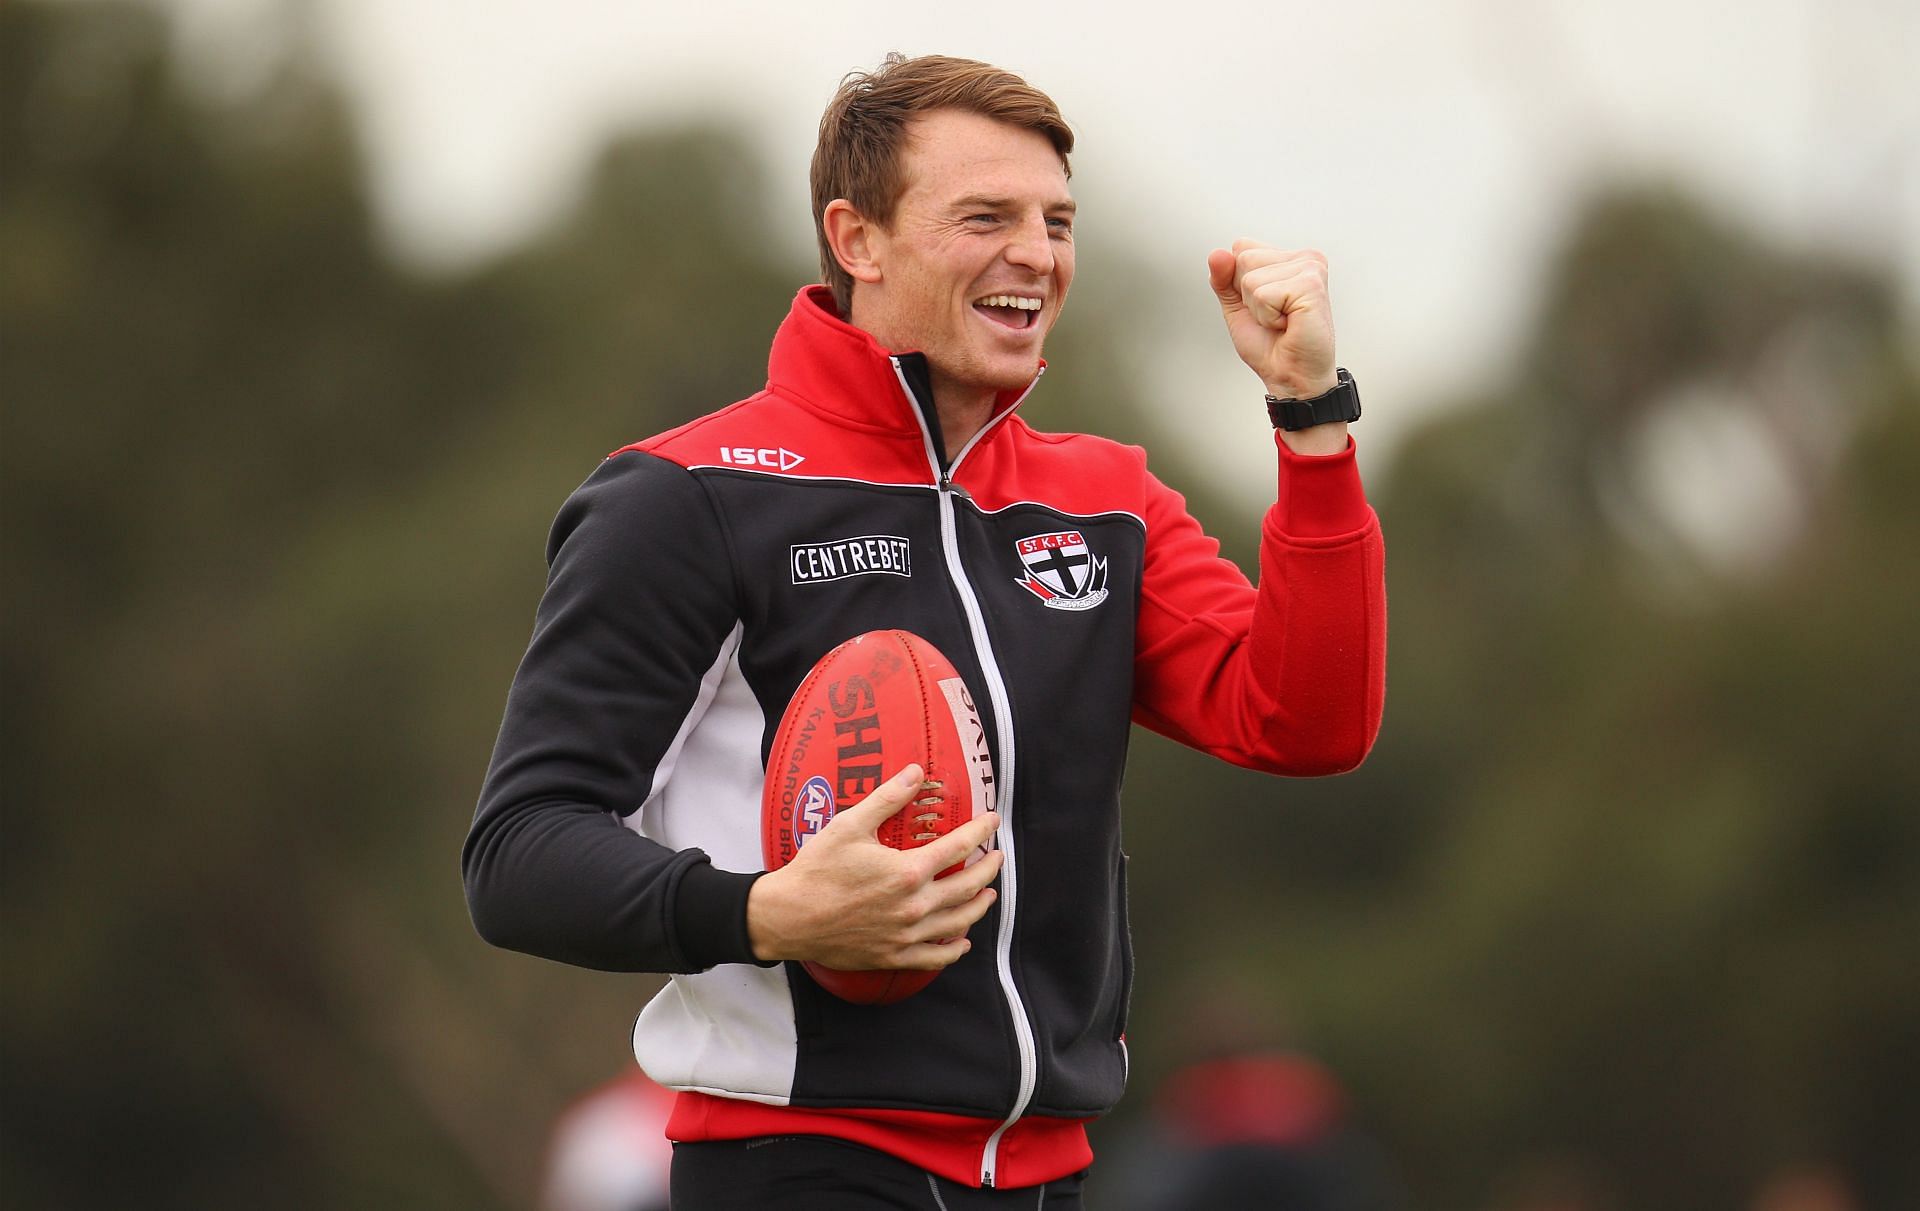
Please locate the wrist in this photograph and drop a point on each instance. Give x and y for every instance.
(762, 938)
(1307, 388)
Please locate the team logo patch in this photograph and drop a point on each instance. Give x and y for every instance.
(813, 807)
(868, 555)
(1062, 571)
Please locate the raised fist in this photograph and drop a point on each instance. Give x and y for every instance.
(1277, 311)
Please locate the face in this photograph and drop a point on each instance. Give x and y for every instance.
(975, 266)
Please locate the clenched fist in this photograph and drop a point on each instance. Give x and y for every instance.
(1278, 314)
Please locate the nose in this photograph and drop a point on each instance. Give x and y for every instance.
(1030, 246)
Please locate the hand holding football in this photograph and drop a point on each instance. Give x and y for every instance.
(876, 897)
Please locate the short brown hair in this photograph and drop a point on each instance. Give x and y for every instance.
(862, 132)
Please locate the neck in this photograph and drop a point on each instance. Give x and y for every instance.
(963, 409)
(963, 412)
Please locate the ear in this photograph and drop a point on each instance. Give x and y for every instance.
(857, 241)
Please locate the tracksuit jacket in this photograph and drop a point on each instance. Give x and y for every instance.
(696, 576)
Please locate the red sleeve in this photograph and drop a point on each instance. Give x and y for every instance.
(1289, 677)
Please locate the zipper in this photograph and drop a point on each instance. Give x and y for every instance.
(1003, 728)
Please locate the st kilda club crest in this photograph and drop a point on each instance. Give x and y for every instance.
(1061, 571)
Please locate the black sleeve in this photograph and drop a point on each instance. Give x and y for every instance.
(639, 599)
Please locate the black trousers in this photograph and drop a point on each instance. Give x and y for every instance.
(819, 1173)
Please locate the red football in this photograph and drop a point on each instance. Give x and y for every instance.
(878, 702)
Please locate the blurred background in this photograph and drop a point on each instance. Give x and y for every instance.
(313, 312)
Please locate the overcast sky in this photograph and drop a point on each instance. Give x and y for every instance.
(1431, 149)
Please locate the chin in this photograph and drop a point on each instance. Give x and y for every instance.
(996, 370)
(1019, 378)
(1011, 374)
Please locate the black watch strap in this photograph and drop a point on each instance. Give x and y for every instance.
(1341, 403)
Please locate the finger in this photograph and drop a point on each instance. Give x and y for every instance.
(1277, 286)
(1284, 301)
(1249, 253)
(964, 884)
(1268, 264)
(1282, 295)
(1253, 274)
(932, 956)
(956, 921)
(936, 856)
(1249, 258)
(865, 817)
(1221, 269)
(1269, 307)
(1304, 271)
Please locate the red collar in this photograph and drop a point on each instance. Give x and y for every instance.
(842, 371)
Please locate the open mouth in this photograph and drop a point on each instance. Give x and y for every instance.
(1016, 311)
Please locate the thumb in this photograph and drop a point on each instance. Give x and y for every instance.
(1220, 266)
(865, 817)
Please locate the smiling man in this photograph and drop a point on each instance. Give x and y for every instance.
(970, 264)
(884, 479)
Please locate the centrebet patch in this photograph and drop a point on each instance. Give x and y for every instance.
(867, 555)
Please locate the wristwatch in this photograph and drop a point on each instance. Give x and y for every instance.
(1340, 403)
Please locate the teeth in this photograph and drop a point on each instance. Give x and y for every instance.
(1010, 300)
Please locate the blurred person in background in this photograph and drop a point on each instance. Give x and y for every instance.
(609, 1149)
(1265, 1129)
(1251, 1121)
(698, 575)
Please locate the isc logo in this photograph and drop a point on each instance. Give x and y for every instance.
(781, 459)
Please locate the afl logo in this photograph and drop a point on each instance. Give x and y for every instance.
(1062, 571)
(815, 808)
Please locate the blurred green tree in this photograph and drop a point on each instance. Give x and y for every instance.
(266, 498)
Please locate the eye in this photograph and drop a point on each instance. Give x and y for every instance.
(1060, 227)
(983, 218)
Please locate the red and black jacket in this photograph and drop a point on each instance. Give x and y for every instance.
(697, 576)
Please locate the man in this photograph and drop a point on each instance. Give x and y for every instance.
(697, 575)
